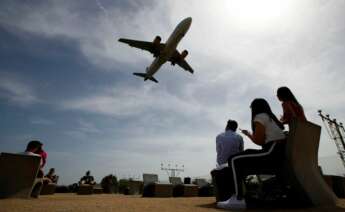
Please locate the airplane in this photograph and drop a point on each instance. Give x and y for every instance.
(163, 52)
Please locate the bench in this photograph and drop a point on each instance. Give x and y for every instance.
(18, 175)
(152, 188)
(85, 189)
(205, 189)
(299, 178)
(135, 187)
(48, 189)
(301, 166)
(183, 190)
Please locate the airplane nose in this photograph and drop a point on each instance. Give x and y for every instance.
(189, 19)
(185, 23)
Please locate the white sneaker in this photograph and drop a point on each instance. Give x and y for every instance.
(232, 203)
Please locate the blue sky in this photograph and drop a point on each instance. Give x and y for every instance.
(64, 78)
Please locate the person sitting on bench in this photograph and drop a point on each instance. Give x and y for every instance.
(52, 176)
(42, 153)
(228, 143)
(267, 133)
(87, 179)
(291, 108)
(31, 149)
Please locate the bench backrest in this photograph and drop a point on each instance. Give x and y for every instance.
(175, 180)
(200, 182)
(150, 178)
(302, 163)
(18, 174)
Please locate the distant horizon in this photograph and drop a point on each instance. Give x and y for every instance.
(337, 169)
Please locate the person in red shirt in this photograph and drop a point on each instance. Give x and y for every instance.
(34, 148)
(291, 108)
(43, 155)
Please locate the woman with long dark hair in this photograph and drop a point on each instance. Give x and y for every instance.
(267, 133)
(291, 107)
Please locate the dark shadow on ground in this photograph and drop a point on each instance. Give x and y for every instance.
(269, 208)
(209, 205)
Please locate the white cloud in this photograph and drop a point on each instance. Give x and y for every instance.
(88, 127)
(82, 130)
(16, 91)
(302, 42)
(236, 58)
(41, 121)
(128, 101)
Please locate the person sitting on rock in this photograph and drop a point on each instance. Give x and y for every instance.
(52, 176)
(87, 179)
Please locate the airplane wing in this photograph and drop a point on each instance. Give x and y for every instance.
(144, 45)
(177, 58)
(185, 66)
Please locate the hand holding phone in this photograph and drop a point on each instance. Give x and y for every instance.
(246, 132)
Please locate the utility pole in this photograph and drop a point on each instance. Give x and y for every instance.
(337, 132)
(171, 171)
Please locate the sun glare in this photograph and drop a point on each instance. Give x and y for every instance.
(257, 13)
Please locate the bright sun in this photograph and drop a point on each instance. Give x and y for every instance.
(257, 12)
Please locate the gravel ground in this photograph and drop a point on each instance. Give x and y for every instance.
(121, 203)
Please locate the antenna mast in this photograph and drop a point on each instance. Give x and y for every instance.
(337, 132)
(172, 172)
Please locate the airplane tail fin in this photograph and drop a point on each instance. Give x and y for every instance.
(146, 77)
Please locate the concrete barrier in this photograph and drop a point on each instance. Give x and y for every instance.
(18, 175)
(302, 168)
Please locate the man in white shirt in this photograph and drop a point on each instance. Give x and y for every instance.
(228, 144)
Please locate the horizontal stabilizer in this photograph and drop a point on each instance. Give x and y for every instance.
(144, 75)
(153, 79)
(140, 74)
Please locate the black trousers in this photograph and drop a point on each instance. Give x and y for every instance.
(269, 159)
(223, 183)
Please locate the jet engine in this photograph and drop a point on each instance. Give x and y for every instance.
(157, 40)
(156, 44)
(184, 54)
(181, 57)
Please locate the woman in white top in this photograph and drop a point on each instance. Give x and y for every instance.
(267, 133)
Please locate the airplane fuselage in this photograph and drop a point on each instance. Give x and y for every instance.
(170, 47)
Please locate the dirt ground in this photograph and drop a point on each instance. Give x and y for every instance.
(122, 203)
